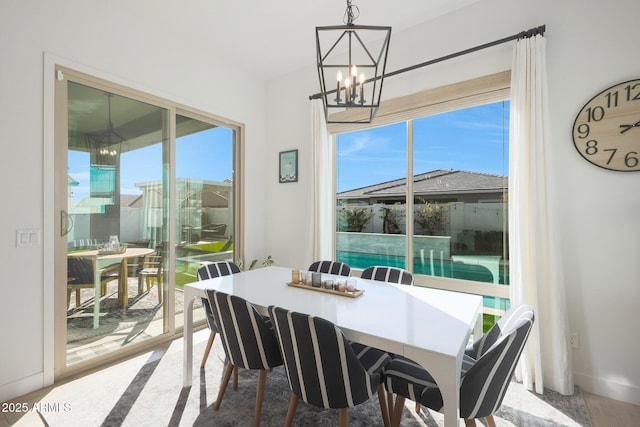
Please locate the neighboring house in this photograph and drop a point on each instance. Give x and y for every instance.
(439, 185)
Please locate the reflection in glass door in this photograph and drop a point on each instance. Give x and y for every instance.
(204, 201)
(116, 221)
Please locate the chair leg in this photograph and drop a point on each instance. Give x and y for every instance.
(469, 422)
(223, 385)
(68, 298)
(235, 379)
(207, 349)
(343, 417)
(291, 411)
(490, 421)
(397, 411)
(262, 379)
(77, 297)
(390, 406)
(383, 406)
(159, 291)
(418, 407)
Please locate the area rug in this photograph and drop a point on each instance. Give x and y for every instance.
(147, 391)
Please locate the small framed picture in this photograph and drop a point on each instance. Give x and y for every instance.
(288, 166)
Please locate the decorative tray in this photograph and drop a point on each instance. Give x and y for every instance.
(122, 249)
(355, 294)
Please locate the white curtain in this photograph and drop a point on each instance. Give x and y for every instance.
(535, 264)
(320, 198)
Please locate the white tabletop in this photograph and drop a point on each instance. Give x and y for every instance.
(428, 325)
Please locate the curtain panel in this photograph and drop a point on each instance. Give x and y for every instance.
(320, 239)
(536, 267)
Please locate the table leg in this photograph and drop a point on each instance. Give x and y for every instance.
(98, 294)
(124, 277)
(446, 373)
(187, 363)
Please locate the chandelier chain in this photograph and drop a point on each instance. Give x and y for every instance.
(351, 14)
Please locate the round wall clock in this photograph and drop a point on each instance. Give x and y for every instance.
(606, 131)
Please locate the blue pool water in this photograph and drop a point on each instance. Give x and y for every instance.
(439, 268)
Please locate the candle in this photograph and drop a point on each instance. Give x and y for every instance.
(354, 74)
(347, 95)
(339, 77)
(362, 88)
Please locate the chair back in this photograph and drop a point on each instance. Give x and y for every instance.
(484, 385)
(217, 269)
(80, 270)
(331, 267)
(247, 338)
(322, 367)
(388, 274)
(210, 271)
(152, 264)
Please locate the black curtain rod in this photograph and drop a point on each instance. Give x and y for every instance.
(521, 35)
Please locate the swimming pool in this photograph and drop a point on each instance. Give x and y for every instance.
(456, 268)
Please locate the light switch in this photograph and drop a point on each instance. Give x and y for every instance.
(27, 237)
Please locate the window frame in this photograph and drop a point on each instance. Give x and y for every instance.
(483, 90)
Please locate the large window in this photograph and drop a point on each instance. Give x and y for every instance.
(429, 194)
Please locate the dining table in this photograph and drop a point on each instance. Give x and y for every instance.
(107, 257)
(430, 326)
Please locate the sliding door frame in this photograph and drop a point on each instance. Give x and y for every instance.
(57, 73)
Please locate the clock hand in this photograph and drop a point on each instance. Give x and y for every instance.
(627, 127)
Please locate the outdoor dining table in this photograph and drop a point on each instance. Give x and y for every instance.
(123, 277)
(430, 326)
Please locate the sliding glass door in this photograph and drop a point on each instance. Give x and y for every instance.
(116, 220)
(204, 199)
(145, 194)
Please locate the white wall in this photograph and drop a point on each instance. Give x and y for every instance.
(591, 45)
(115, 41)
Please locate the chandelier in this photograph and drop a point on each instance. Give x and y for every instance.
(104, 147)
(357, 69)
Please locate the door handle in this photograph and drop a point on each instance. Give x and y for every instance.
(66, 223)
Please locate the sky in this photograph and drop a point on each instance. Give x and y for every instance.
(206, 155)
(472, 139)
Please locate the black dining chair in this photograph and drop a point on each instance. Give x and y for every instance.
(388, 274)
(487, 368)
(331, 267)
(210, 271)
(80, 275)
(248, 342)
(325, 369)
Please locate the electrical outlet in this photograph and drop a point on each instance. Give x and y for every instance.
(574, 340)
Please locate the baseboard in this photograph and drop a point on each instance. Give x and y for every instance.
(610, 389)
(21, 387)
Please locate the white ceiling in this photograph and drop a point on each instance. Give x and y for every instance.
(272, 38)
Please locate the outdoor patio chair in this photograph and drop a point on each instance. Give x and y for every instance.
(80, 275)
(487, 368)
(209, 271)
(388, 274)
(325, 369)
(331, 267)
(150, 272)
(248, 342)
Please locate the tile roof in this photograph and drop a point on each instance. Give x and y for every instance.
(438, 181)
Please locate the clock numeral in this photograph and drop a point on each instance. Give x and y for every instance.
(631, 159)
(583, 130)
(612, 99)
(630, 95)
(592, 147)
(595, 113)
(613, 153)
